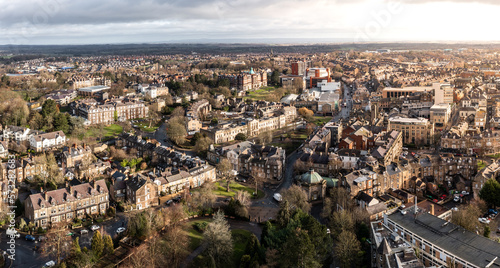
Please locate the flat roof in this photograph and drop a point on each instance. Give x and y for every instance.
(464, 244)
(93, 88)
(408, 120)
(418, 89)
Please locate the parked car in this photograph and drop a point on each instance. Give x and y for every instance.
(84, 231)
(492, 211)
(120, 230)
(50, 264)
(169, 202)
(435, 200)
(484, 220)
(41, 238)
(29, 238)
(277, 197)
(95, 227)
(465, 193)
(456, 199)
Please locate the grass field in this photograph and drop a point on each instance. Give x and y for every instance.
(321, 120)
(111, 131)
(144, 126)
(495, 155)
(480, 165)
(195, 237)
(260, 94)
(240, 241)
(235, 187)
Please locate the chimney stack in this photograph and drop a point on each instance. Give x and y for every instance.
(432, 209)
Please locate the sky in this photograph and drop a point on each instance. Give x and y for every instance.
(34, 22)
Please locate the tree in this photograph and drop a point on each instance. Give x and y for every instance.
(205, 197)
(241, 137)
(177, 132)
(258, 178)
(298, 251)
(177, 245)
(115, 115)
(49, 108)
(144, 165)
(341, 221)
(265, 137)
(97, 244)
(174, 215)
(275, 77)
(153, 116)
(218, 240)
(178, 111)
(297, 198)
(108, 245)
(490, 193)
(306, 113)
(466, 216)
(487, 231)
(225, 168)
(57, 241)
(202, 144)
(347, 248)
(75, 247)
(61, 123)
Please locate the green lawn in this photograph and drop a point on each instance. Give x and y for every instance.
(480, 165)
(260, 94)
(321, 120)
(144, 126)
(195, 237)
(289, 147)
(495, 155)
(111, 131)
(240, 241)
(235, 187)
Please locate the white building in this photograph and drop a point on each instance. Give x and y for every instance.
(443, 93)
(48, 140)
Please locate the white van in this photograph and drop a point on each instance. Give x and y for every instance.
(277, 197)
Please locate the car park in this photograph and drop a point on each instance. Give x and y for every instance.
(29, 238)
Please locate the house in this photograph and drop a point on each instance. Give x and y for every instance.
(65, 204)
(142, 192)
(76, 155)
(4, 148)
(47, 141)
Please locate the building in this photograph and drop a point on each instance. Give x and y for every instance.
(314, 76)
(110, 112)
(390, 92)
(75, 155)
(142, 192)
(44, 209)
(443, 93)
(415, 130)
(225, 132)
(389, 250)
(440, 114)
(47, 141)
(299, 67)
(16, 133)
(91, 91)
(442, 243)
(247, 80)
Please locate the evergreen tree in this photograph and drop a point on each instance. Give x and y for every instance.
(108, 245)
(97, 244)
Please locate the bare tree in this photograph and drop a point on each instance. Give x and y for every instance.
(218, 240)
(297, 198)
(57, 243)
(225, 168)
(347, 248)
(177, 245)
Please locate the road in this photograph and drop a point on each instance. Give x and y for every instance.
(26, 257)
(161, 135)
(268, 201)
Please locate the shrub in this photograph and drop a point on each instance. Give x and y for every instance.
(200, 226)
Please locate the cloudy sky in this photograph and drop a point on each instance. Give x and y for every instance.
(152, 21)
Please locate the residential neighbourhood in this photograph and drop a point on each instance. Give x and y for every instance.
(367, 158)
